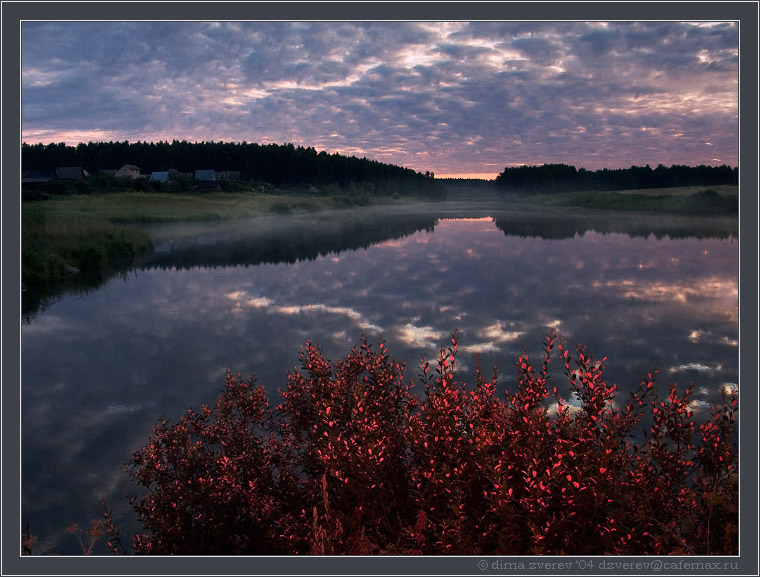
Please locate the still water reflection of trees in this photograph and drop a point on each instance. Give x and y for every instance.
(308, 239)
(100, 366)
(289, 239)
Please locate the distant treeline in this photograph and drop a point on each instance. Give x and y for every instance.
(466, 182)
(565, 178)
(276, 164)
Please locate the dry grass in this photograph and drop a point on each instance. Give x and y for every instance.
(140, 207)
(725, 189)
(704, 200)
(144, 207)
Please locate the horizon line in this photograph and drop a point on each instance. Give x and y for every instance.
(476, 175)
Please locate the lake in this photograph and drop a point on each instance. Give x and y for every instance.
(99, 367)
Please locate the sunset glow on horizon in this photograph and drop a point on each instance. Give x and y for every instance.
(459, 99)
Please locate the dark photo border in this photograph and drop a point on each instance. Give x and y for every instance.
(13, 13)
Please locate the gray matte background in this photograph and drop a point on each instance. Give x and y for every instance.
(14, 12)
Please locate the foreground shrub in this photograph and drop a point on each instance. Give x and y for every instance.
(354, 462)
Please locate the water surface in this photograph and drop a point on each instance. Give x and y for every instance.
(99, 368)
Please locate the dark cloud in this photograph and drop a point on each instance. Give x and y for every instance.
(539, 50)
(515, 91)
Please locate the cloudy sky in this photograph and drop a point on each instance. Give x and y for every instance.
(455, 98)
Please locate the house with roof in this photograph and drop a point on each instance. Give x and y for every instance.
(206, 180)
(35, 178)
(71, 173)
(162, 176)
(205, 175)
(159, 176)
(128, 171)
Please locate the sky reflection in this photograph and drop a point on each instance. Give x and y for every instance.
(99, 369)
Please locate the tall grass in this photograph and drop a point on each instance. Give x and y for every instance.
(87, 231)
(55, 244)
(687, 201)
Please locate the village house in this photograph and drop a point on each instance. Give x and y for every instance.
(128, 171)
(159, 176)
(164, 176)
(34, 178)
(205, 175)
(71, 173)
(206, 180)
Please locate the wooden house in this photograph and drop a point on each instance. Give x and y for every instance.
(71, 173)
(165, 175)
(128, 171)
(35, 178)
(159, 176)
(205, 175)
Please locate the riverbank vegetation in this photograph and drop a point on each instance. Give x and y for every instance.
(81, 208)
(688, 200)
(57, 242)
(80, 223)
(352, 460)
(89, 232)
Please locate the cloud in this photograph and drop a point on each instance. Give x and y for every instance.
(422, 337)
(709, 287)
(699, 367)
(447, 97)
(497, 333)
(294, 309)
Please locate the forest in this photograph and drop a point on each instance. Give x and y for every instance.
(276, 164)
(555, 178)
(290, 165)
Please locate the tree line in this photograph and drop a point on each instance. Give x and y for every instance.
(277, 164)
(566, 178)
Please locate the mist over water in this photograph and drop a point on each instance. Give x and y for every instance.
(100, 368)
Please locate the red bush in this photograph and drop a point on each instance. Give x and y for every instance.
(353, 462)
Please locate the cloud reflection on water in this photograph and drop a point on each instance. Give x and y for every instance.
(420, 337)
(272, 308)
(99, 370)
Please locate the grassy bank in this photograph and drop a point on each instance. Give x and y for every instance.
(90, 233)
(145, 207)
(723, 200)
(55, 245)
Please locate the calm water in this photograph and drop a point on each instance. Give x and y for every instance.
(98, 369)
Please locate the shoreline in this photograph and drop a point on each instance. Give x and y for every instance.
(91, 233)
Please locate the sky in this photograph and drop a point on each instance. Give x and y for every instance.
(459, 99)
